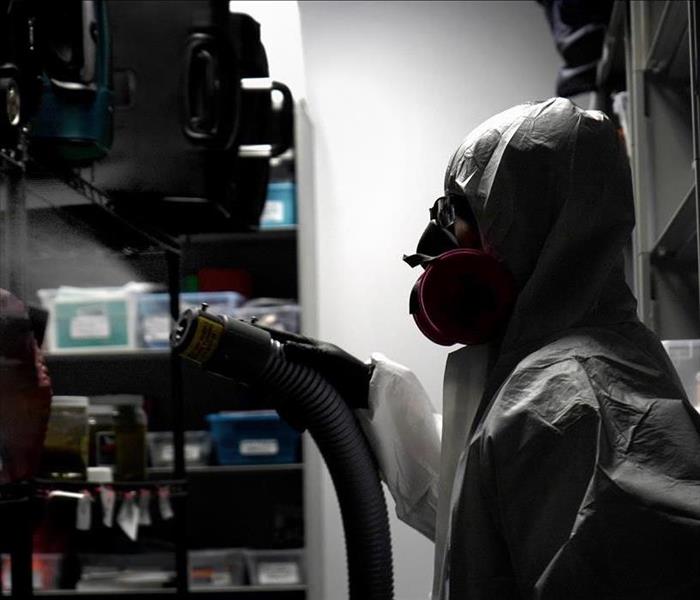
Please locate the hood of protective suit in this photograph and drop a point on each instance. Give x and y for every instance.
(550, 187)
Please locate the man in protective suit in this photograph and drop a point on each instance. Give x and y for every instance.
(569, 465)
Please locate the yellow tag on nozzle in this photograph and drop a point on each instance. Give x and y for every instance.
(205, 340)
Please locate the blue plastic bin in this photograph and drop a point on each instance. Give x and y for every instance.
(253, 437)
(280, 206)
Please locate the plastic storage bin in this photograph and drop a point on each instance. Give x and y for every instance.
(280, 206)
(685, 356)
(153, 310)
(253, 437)
(273, 313)
(125, 573)
(162, 450)
(90, 319)
(276, 567)
(46, 572)
(217, 568)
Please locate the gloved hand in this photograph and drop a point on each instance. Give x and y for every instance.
(347, 374)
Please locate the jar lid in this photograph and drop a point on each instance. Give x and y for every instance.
(100, 474)
(117, 400)
(100, 409)
(79, 401)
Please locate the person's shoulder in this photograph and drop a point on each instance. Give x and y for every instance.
(578, 345)
(537, 406)
(546, 390)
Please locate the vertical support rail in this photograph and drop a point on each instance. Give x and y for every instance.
(178, 406)
(638, 33)
(16, 513)
(20, 524)
(693, 27)
(14, 233)
(5, 229)
(17, 218)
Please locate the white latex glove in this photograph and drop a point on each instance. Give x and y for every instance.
(404, 433)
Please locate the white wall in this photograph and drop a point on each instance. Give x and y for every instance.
(281, 35)
(392, 88)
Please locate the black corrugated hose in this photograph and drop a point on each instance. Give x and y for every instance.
(247, 354)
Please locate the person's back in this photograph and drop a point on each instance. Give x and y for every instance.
(580, 479)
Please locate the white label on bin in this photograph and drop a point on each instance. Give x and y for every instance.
(89, 326)
(193, 453)
(278, 573)
(156, 328)
(258, 447)
(167, 453)
(273, 212)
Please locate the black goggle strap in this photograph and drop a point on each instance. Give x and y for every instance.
(415, 260)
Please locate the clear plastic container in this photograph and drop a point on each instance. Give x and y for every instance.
(65, 454)
(217, 568)
(162, 452)
(154, 320)
(270, 312)
(685, 356)
(46, 572)
(125, 573)
(276, 567)
(91, 319)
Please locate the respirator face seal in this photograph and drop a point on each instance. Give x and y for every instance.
(465, 295)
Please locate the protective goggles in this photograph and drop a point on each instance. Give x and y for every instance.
(443, 212)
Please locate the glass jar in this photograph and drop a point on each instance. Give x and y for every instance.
(65, 453)
(130, 424)
(102, 443)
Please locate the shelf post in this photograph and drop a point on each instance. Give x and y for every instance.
(637, 31)
(693, 28)
(21, 565)
(14, 231)
(176, 394)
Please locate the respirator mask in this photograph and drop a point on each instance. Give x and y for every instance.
(465, 295)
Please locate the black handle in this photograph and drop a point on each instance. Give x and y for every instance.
(287, 128)
(201, 121)
(263, 150)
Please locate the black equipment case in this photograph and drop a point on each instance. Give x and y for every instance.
(20, 83)
(180, 70)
